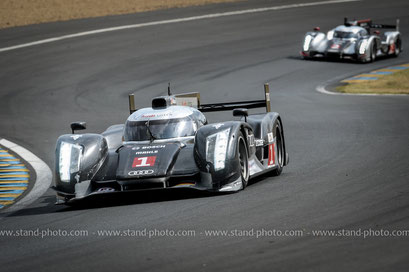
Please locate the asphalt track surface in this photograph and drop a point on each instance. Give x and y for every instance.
(349, 155)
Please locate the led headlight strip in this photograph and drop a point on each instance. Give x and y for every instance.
(330, 35)
(307, 42)
(216, 148)
(69, 161)
(362, 47)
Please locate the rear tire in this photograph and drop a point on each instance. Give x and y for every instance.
(243, 157)
(280, 150)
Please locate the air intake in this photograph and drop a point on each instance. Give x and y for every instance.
(163, 102)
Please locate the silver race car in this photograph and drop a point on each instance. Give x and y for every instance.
(171, 145)
(359, 40)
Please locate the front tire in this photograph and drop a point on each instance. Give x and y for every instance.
(373, 53)
(243, 156)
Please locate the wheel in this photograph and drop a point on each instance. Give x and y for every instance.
(243, 159)
(280, 150)
(373, 53)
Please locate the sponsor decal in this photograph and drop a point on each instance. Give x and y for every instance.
(217, 126)
(148, 147)
(105, 190)
(259, 142)
(268, 96)
(146, 152)
(335, 46)
(392, 48)
(159, 115)
(271, 155)
(250, 139)
(270, 137)
(148, 115)
(153, 147)
(75, 137)
(141, 172)
(143, 161)
(187, 101)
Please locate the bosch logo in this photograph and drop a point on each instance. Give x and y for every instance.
(148, 147)
(141, 172)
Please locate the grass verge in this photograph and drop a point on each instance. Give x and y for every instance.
(396, 83)
(27, 12)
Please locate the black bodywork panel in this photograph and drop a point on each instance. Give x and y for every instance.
(108, 164)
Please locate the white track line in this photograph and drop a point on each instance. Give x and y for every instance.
(43, 176)
(178, 20)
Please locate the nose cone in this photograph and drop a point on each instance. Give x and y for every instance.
(338, 45)
(139, 161)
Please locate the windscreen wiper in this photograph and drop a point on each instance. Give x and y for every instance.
(152, 138)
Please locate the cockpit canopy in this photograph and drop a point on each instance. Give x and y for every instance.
(159, 129)
(349, 32)
(154, 124)
(345, 35)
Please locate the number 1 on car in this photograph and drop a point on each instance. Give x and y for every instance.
(144, 161)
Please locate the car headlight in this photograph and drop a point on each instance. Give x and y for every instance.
(330, 35)
(307, 42)
(362, 47)
(216, 147)
(69, 161)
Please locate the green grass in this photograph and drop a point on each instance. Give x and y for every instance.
(396, 83)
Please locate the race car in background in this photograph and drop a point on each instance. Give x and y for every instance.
(359, 40)
(171, 145)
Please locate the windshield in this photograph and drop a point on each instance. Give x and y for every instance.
(159, 129)
(345, 35)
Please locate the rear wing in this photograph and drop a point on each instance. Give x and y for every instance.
(367, 23)
(193, 100)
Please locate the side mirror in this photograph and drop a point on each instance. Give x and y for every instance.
(317, 28)
(78, 126)
(241, 112)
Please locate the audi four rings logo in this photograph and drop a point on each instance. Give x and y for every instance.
(141, 172)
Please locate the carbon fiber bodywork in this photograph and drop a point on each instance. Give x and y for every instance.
(89, 164)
